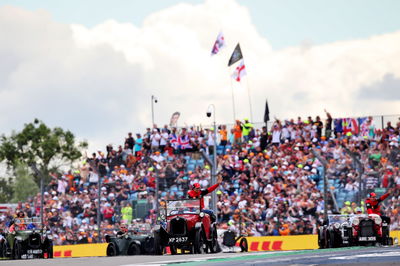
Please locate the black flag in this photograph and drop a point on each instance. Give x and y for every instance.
(266, 113)
(236, 55)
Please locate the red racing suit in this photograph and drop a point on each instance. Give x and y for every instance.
(194, 195)
(373, 206)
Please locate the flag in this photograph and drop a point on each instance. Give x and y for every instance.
(239, 72)
(363, 124)
(174, 119)
(219, 43)
(236, 55)
(266, 113)
(350, 125)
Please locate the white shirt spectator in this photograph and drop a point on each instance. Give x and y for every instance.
(164, 138)
(276, 136)
(158, 157)
(62, 185)
(155, 139)
(93, 177)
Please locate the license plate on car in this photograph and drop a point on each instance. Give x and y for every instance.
(34, 251)
(181, 239)
(367, 238)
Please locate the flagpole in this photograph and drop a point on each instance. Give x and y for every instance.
(248, 93)
(233, 102)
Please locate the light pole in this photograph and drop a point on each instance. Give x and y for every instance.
(153, 100)
(214, 167)
(39, 173)
(98, 208)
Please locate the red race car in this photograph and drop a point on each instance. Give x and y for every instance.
(185, 226)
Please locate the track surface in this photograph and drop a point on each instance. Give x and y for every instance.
(350, 256)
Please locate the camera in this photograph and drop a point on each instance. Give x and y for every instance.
(208, 114)
(155, 100)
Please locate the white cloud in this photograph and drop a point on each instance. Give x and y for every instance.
(97, 82)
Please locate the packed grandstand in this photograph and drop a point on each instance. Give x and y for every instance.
(272, 182)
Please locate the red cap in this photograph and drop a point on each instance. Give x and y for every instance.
(196, 185)
(372, 194)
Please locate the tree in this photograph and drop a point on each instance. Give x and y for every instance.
(38, 144)
(6, 190)
(24, 186)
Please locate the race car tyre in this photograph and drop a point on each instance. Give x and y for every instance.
(17, 250)
(133, 249)
(3, 252)
(199, 242)
(148, 246)
(111, 250)
(321, 241)
(158, 249)
(330, 240)
(244, 246)
(173, 250)
(213, 246)
(50, 251)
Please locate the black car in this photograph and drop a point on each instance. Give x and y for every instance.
(138, 240)
(336, 232)
(26, 241)
(370, 230)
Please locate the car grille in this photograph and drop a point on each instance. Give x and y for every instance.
(178, 226)
(346, 232)
(367, 228)
(34, 240)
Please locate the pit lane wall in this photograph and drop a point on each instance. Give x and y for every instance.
(262, 243)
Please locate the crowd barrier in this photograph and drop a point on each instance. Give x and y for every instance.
(261, 243)
(274, 243)
(80, 250)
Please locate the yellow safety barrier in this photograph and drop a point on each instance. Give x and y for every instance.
(273, 243)
(261, 243)
(395, 234)
(80, 250)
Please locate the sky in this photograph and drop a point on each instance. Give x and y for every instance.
(91, 66)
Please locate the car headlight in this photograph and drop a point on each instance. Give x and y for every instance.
(356, 221)
(336, 225)
(201, 214)
(377, 220)
(345, 224)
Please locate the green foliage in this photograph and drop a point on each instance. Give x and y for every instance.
(24, 186)
(6, 190)
(40, 145)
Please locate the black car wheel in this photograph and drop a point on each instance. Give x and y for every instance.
(2, 249)
(321, 240)
(17, 250)
(158, 249)
(244, 246)
(111, 250)
(50, 251)
(199, 242)
(331, 240)
(133, 249)
(173, 250)
(213, 246)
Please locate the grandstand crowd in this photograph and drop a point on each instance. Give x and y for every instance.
(272, 182)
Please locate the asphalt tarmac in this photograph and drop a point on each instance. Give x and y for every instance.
(381, 256)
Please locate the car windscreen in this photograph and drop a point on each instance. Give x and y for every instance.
(189, 206)
(338, 219)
